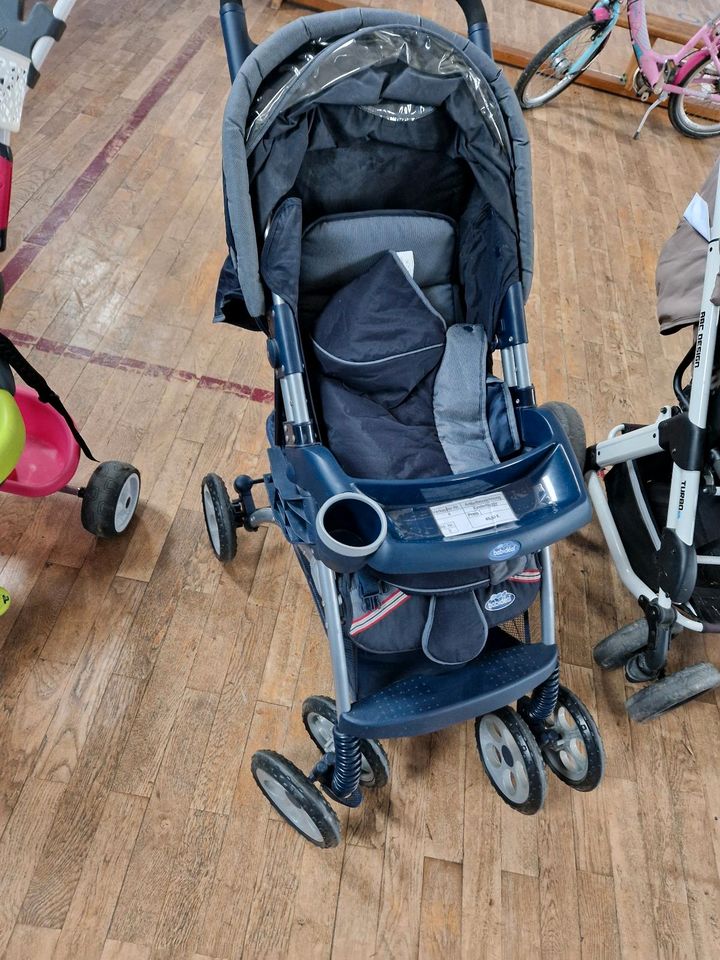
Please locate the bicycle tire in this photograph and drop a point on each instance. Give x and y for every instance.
(678, 116)
(566, 34)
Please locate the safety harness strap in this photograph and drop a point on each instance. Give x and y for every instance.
(27, 372)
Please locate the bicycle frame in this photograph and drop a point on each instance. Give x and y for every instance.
(654, 66)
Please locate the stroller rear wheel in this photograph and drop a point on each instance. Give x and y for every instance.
(320, 716)
(572, 424)
(615, 651)
(672, 691)
(219, 518)
(296, 798)
(572, 746)
(110, 499)
(512, 759)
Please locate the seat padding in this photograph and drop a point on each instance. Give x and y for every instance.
(337, 249)
(401, 395)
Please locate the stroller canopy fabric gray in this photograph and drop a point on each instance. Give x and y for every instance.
(680, 272)
(344, 87)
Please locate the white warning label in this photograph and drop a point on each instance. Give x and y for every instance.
(476, 513)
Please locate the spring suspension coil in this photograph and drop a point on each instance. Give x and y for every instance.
(544, 700)
(348, 764)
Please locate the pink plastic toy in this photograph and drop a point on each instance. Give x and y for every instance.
(40, 450)
(51, 455)
(39, 444)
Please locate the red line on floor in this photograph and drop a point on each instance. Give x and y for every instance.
(66, 205)
(117, 362)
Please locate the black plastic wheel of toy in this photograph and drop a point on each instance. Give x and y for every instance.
(672, 691)
(574, 749)
(320, 716)
(219, 518)
(110, 499)
(512, 759)
(296, 798)
(572, 424)
(615, 651)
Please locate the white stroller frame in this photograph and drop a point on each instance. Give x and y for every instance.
(624, 448)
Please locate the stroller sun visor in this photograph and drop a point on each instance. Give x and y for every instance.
(389, 52)
(390, 86)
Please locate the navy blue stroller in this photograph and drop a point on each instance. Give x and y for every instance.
(379, 220)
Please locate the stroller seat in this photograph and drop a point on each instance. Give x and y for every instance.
(403, 384)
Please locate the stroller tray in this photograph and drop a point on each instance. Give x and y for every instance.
(423, 704)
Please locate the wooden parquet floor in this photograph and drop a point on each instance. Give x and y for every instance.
(137, 677)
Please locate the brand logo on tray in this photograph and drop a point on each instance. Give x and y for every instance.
(498, 601)
(504, 550)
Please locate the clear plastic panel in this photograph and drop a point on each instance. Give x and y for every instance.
(319, 66)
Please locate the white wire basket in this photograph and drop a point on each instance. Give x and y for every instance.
(13, 87)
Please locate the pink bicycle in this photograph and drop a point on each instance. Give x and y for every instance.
(689, 78)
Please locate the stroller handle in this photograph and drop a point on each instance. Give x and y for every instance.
(474, 11)
(477, 24)
(239, 46)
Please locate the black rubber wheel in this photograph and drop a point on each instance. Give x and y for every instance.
(320, 716)
(702, 127)
(614, 651)
(572, 424)
(296, 798)
(585, 30)
(578, 756)
(672, 691)
(219, 518)
(110, 499)
(512, 759)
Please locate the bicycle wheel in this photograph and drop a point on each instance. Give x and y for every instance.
(550, 70)
(689, 113)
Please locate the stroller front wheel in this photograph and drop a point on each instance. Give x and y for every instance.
(672, 691)
(512, 759)
(219, 518)
(320, 716)
(110, 499)
(616, 649)
(572, 746)
(296, 798)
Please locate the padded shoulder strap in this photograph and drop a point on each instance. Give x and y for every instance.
(27, 372)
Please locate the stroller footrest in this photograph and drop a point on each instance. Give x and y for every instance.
(423, 704)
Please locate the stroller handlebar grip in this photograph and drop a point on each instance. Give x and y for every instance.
(238, 45)
(474, 11)
(477, 24)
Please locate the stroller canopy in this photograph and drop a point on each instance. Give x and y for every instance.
(680, 272)
(324, 109)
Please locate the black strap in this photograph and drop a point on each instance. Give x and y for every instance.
(24, 369)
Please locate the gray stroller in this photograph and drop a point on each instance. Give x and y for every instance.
(377, 185)
(659, 505)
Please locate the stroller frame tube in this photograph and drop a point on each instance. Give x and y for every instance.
(631, 581)
(327, 588)
(547, 600)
